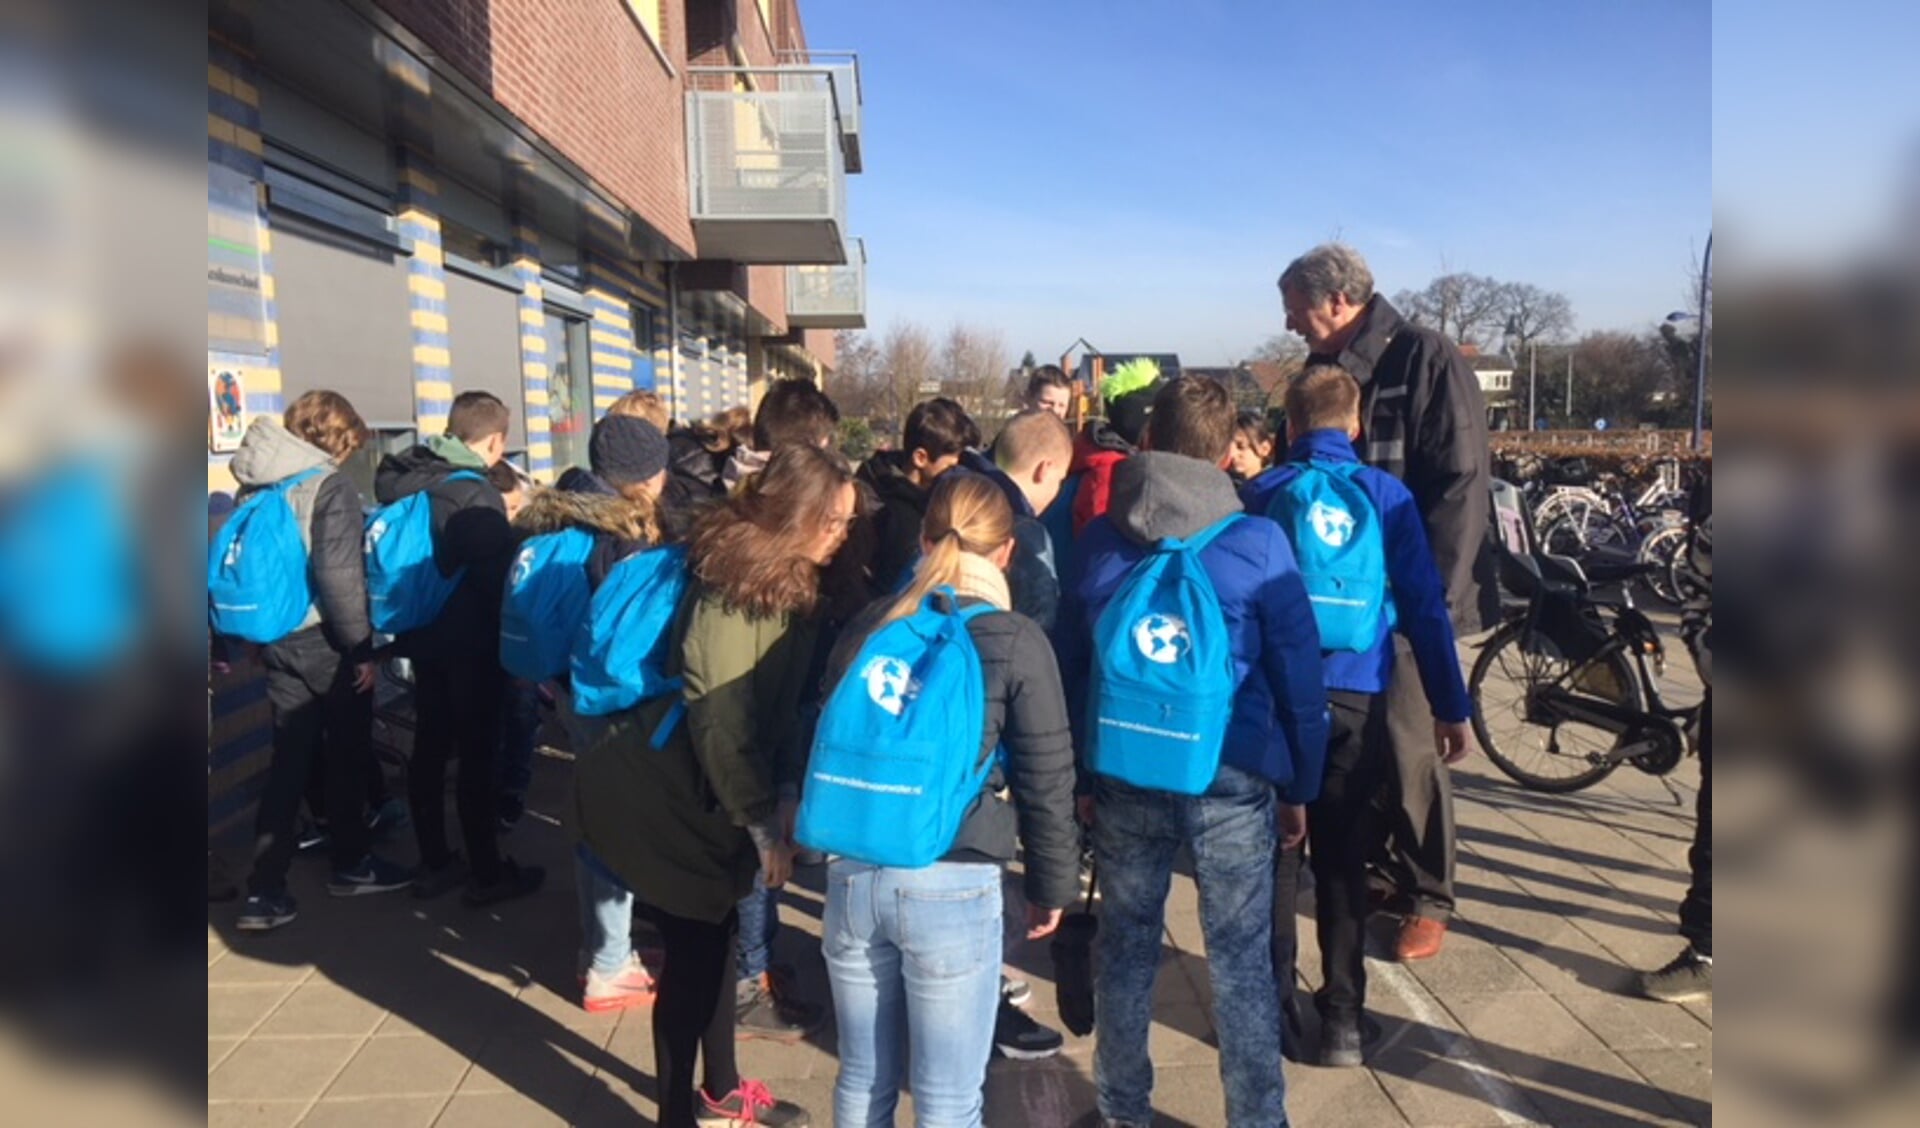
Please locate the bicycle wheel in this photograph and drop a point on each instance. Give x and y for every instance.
(1559, 502)
(1543, 756)
(1660, 548)
(1582, 529)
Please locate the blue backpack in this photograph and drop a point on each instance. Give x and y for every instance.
(257, 585)
(544, 603)
(1163, 678)
(896, 761)
(621, 649)
(69, 596)
(405, 590)
(1342, 555)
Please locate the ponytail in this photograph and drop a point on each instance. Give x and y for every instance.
(966, 514)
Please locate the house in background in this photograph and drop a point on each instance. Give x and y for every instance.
(1505, 410)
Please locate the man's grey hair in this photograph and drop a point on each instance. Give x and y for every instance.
(1326, 270)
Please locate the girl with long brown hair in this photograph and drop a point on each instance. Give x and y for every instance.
(688, 826)
(932, 936)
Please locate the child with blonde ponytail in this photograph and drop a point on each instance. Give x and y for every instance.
(931, 936)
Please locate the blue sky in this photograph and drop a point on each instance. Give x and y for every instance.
(1139, 173)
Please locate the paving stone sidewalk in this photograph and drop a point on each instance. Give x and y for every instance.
(386, 1011)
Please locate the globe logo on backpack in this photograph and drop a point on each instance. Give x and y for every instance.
(522, 567)
(889, 683)
(1333, 526)
(1162, 638)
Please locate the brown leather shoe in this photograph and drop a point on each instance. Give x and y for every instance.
(1419, 939)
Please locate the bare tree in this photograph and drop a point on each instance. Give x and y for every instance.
(1529, 315)
(1459, 305)
(856, 383)
(1281, 348)
(974, 363)
(907, 361)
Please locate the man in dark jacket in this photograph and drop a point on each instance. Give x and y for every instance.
(931, 444)
(1030, 459)
(456, 658)
(1422, 420)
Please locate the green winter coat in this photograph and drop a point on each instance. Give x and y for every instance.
(678, 824)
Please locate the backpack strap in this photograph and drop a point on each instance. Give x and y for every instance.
(1201, 539)
(287, 483)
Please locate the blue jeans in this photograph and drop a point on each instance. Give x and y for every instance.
(606, 913)
(759, 921)
(1135, 837)
(914, 959)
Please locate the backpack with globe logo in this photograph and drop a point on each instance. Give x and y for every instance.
(1163, 679)
(1338, 545)
(896, 757)
(622, 648)
(544, 602)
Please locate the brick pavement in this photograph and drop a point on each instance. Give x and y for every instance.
(387, 1011)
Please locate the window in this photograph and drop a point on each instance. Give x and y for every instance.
(569, 389)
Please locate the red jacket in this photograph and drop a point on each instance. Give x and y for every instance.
(1094, 459)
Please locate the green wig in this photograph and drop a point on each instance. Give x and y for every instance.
(1130, 377)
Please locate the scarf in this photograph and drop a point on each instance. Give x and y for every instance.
(981, 580)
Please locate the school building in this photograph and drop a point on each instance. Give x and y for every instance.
(557, 201)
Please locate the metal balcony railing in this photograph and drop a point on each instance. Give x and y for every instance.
(830, 297)
(766, 166)
(845, 68)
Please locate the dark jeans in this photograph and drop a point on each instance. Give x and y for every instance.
(1418, 799)
(519, 725)
(1136, 835)
(1696, 911)
(693, 1014)
(1341, 825)
(456, 715)
(317, 716)
(759, 923)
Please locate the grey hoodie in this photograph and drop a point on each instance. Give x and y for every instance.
(1158, 495)
(328, 509)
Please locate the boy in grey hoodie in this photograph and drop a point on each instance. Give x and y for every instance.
(320, 677)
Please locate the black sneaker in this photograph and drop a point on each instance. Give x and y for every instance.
(514, 880)
(310, 837)
(433, 881)
(1340, 1041)
(763, 1010)
(512, 810)
(1688, 979)
(388, 818)
(1021, 1038)
(750, 1104)
(1017, 992)
(374, 874)
(265, 912)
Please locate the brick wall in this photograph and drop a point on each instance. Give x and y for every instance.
(582, 75)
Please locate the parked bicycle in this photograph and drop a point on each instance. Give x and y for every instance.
(1568, 689)
(1610, 523)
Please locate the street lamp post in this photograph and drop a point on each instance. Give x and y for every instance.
(1706, 338)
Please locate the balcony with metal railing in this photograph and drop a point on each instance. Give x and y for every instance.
(829, 297)
(845, 68)
(766, 164)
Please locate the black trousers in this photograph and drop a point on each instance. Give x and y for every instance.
(1696, 911)
(1417, 853)
(456, 705)
(317, 718)
(693, 1013)
(1342, 825)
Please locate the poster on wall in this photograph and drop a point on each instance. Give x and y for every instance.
(236, 298)
(226, 401)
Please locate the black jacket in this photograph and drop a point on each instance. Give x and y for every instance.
(470, 531)
(1424, 421)
(896, 526)
(693, 483)
(1027, 716)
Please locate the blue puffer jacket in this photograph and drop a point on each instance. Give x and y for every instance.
(1419, 595)
(1279, 726)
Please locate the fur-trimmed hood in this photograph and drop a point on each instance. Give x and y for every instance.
(552, 510)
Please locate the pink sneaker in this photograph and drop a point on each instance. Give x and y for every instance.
(632, 986)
